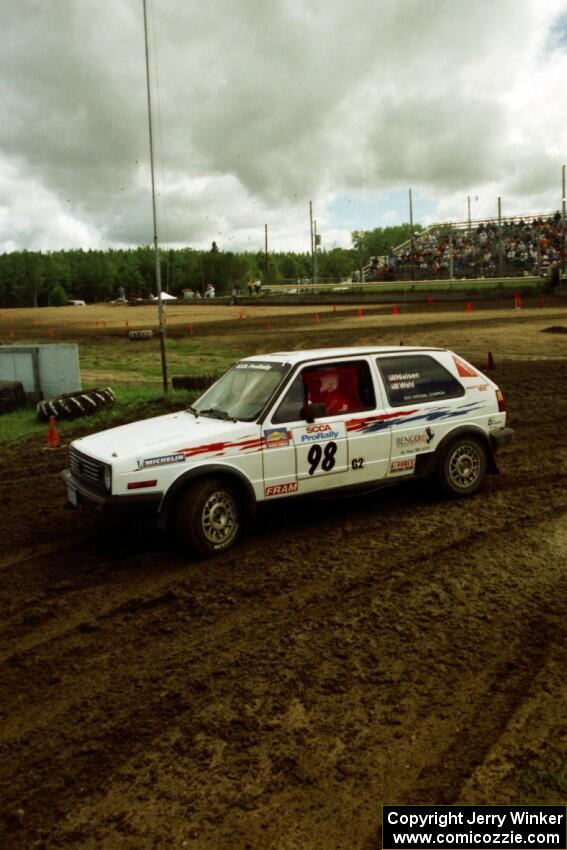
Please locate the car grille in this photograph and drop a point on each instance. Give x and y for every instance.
(86, 469)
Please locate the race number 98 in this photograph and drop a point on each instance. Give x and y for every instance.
(326, 458)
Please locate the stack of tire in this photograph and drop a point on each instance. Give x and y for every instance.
(73, 405)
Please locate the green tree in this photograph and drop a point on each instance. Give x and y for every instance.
(57, 296)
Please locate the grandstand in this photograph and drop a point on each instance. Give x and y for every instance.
(488, 248)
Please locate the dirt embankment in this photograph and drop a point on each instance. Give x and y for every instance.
(392, 648)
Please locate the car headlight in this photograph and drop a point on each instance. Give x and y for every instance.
(108, 478)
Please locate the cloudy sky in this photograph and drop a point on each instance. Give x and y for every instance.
(263, 105)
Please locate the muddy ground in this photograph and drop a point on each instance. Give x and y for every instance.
(390, 648)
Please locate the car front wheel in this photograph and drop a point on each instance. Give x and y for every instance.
(207, 518)
(462, 468)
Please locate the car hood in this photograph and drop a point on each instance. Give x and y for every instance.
(174, 432)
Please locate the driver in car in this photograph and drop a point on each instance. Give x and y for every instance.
(330, 393)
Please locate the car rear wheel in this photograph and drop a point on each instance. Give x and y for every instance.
(463, 467)
(207, 517)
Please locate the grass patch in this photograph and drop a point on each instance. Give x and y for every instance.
(133, 370)
(132, 403)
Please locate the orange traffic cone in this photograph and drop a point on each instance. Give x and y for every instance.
(517, 301)
(468, 308)
(334, 310)
(429, 301)
(395, 310)
(53, 434)
(359, 312)
(241, 315)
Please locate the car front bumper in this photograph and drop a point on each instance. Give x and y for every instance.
(80, 494)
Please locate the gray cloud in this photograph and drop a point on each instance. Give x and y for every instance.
(261, 106)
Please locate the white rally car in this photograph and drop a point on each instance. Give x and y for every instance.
(297, 423)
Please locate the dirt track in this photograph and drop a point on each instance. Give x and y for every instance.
(391, 648)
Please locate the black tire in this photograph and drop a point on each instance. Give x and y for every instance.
(73, 405)
(207, 517)
(12, 396)
(463, 467)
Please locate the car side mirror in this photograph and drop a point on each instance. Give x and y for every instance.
(314, 411)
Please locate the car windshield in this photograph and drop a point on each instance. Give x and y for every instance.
(242, 392)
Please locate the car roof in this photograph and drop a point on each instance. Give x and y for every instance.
(294, 357)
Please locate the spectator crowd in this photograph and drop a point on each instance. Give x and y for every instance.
(522, 247)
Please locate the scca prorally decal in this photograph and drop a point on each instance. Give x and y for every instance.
(316, 433)
(249, 444)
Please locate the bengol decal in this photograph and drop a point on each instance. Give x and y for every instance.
(410, 443)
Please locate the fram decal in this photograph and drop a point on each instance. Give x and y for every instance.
(281, 489)
(276, 437)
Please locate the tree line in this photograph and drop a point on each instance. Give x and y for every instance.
(37, 279)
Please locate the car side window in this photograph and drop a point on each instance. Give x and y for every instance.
(417, 378)
(291, 407)
(341, 387)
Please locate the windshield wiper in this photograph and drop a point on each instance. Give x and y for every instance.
(216, 413)
(193, 410)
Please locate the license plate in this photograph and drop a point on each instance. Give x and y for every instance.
(72, 495)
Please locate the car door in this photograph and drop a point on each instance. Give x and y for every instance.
(425, 400)
(343, 447)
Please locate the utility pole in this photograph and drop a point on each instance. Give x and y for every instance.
(469, 213)
(316, 241)
(411, 233)
(500, 246)
(313, 270)
(156, 244)
(563, 224)
(265, 253)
